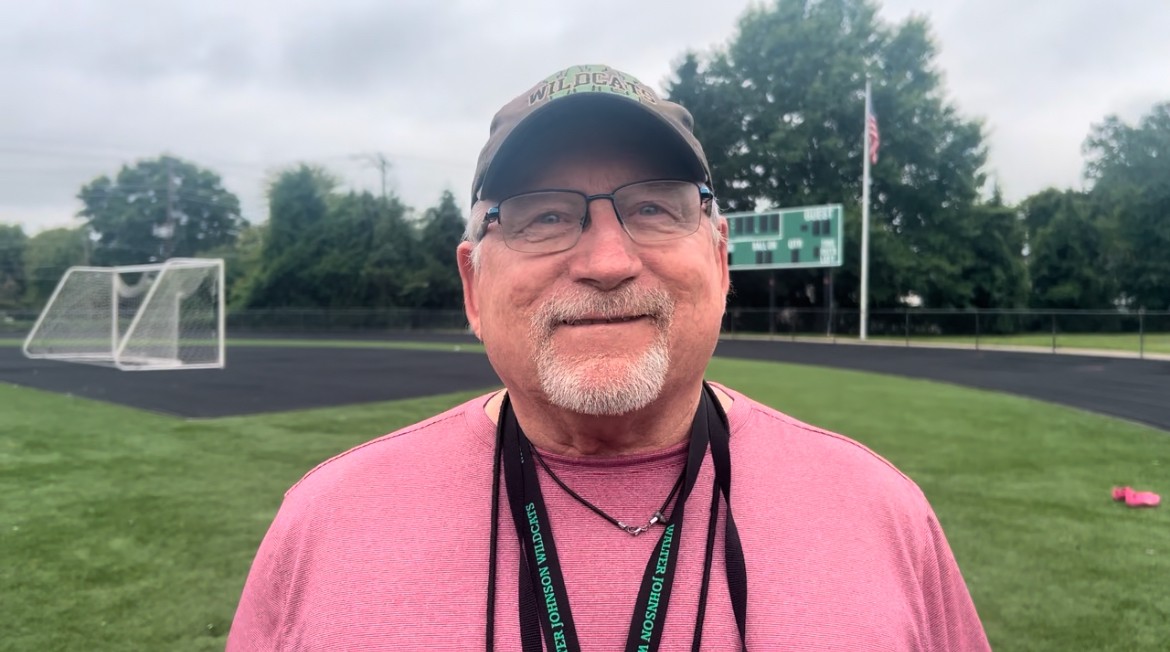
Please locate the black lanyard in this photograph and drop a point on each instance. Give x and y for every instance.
(543, 598)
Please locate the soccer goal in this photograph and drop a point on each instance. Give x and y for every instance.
(137, 317)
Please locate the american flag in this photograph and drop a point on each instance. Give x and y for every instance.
(875, 140)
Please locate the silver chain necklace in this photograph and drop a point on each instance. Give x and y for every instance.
(633, 530)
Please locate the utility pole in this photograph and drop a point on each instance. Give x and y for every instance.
(828, 282)
(86, 245)
(378, 160)
(168, 232)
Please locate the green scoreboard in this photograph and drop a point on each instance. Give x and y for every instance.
(786, 238)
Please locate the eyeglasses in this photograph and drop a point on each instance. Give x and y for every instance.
(551, 221)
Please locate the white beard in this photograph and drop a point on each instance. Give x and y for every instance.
(603, 385)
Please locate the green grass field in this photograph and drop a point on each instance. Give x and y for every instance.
(124, 530)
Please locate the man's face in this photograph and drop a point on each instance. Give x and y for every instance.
(609, 325)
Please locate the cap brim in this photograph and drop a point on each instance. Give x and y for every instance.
(547, 125)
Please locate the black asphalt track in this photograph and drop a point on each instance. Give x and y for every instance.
(275, 379)
(262, 379)
(1137, 390)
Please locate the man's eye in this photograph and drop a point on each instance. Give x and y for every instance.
(548, 218)
(649, 209)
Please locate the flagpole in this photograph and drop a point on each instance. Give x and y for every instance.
(865, 219)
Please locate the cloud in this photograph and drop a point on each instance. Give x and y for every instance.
(1041, 73)
(248, 87)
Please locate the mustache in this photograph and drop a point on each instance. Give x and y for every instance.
(626, 301)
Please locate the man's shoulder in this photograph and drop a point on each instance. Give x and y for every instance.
(768, 433)
(442, 440)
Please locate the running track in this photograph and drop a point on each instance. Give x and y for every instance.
(275, 379)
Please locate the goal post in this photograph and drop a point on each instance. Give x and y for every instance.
(166, 315)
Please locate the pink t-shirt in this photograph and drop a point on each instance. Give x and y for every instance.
(385, 547)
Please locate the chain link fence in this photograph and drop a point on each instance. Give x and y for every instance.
(1138, 333)
(283, 321)
(365, 320)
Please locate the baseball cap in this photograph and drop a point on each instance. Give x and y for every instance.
(572, 94)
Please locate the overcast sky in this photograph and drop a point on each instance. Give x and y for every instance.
(246, 87)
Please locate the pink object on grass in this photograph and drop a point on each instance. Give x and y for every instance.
(1136, 498)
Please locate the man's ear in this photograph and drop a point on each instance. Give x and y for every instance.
(721, 251)
(467, 273)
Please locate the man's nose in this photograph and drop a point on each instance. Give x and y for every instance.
(605, 256)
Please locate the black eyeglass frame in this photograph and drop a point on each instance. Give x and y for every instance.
(493, 213)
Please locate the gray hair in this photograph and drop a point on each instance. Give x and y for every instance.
(475, 230)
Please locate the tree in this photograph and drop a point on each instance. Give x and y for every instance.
(1040, 209)
(158, 209)
(12, 278)
(707, 91)
(437, 285)
(392, 272)
(296, 206)
(782, 107)
(1067, 261)
(46, 258)
(242, 262)
(994, 265)
(326, 249)
(1129, 166)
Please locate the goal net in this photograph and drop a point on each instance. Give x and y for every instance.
(138, 317)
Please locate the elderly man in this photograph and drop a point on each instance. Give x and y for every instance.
(608, 498)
